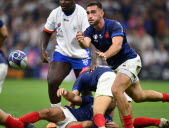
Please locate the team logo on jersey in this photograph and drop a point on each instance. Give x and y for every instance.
(95, 37)
(100, 36)
(59, 24)
(107, 35)
(59, 30)
(85, 61)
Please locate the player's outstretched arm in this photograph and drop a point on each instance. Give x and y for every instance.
(71, 97)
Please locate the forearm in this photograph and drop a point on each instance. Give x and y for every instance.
(45, 37)
(113, 50)
(69, 96)
(83, 44)
(93, 54)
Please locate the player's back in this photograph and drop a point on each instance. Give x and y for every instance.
(88, 81)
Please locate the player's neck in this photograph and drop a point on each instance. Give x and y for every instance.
(100, 25)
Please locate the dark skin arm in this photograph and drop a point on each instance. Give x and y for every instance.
(94, 58)
(44, 43)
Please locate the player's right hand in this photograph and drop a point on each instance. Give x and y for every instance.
(61, 92)
(44, 57)
(80, 37)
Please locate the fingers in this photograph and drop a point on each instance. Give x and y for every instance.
(61, 92)
(45, 58)
(92, 68)
(79, 36)
(101, 54)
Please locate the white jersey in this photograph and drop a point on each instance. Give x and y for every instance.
(66, 28)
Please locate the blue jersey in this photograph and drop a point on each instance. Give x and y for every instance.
(85, 111)
(1, 23)
(102, 40)
(2, 57)
(88, 81)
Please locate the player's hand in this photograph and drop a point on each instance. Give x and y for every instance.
(61, 92)
(45, 58)
(71, 104)
(102, 55)
(112, 125)
(92, 67)
(80, 37)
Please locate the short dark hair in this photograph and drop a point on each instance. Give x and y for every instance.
(97, 3)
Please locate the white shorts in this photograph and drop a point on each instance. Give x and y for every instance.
(69, 118)
(3, 72)
(131, 68)
(104, 85)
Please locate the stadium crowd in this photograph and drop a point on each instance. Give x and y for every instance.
(146, 24)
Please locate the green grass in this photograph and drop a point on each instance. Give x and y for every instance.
(26, 95)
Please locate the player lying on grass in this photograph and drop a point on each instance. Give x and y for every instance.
(64, 117)
(101, 81)
(69, 117)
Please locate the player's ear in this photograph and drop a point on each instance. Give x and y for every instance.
(102, 13)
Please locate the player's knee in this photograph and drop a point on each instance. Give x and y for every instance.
(53, 82)
(138, 98)
(116, 92)
(45, 113)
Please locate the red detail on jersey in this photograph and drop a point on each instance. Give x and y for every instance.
(48, 30)
(107, 35)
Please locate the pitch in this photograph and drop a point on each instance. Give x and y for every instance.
(26, 95)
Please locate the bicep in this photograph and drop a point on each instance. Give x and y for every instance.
(117, 40)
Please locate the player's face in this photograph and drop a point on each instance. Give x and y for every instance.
(67, 6)
(94, 14)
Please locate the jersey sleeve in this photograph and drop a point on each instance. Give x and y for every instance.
(116, 29)
(1, 24)
(87, 100)
(50, 23)
(78, 84)
(88, 32)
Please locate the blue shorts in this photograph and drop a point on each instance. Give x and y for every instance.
(75, 63)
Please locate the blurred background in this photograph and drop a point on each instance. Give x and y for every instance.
(146, 23)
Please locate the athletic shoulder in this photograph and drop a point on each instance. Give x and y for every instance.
(113, 23)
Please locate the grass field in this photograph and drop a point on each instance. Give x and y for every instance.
(26, 95)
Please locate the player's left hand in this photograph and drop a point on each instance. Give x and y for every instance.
(112, 125)
(61, 92)
(102, 55)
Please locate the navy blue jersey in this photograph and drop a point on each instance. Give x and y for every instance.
(2, 58)
(102, 40)
(1, 23)
(88, 81)
(85, 111)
